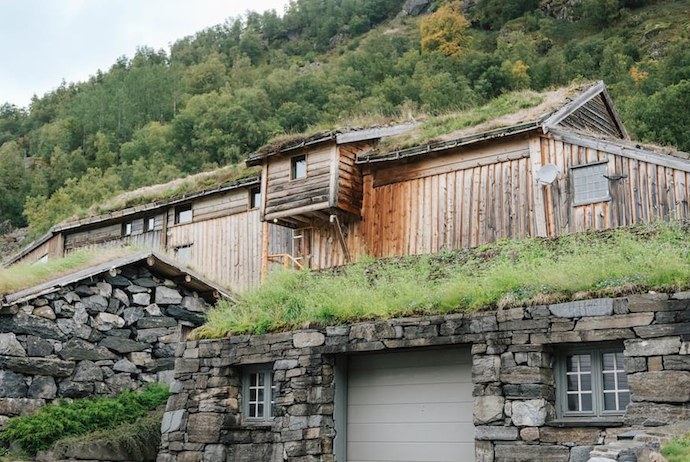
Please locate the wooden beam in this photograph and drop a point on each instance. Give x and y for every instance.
(538, 208)
(264, 250)
(572, 106)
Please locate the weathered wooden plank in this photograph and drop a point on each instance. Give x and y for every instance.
(538, 209)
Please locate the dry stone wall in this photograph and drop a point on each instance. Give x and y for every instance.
(514, 393)
(100, 336)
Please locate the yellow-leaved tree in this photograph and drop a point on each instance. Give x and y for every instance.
(445, 30)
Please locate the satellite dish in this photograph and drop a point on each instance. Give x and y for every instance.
(547, 174)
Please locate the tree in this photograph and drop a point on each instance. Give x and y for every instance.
(445, 31)
(14, 183)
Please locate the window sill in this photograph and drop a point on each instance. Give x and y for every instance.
(568, 422)
(260, 424)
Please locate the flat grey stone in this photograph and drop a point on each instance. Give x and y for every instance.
(583, 308)
(172, 421)
(10, 346)
(167, 296)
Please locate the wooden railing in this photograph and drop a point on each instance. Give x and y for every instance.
(285, 259)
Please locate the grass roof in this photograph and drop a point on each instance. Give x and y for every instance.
(25, 275)
(505, 274)
(176, 188)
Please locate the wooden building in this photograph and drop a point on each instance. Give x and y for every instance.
(562, 166)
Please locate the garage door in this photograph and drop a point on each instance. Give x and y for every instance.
(411, 406)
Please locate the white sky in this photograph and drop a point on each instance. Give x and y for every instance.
(43, 42)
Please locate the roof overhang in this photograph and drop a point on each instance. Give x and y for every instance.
(156, 263)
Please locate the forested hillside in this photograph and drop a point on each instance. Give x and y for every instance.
(219, 95)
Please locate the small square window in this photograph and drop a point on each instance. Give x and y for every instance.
(298, 167)
(127, 229)
(254, 198)
(258, 393)
(183, 214)
(591, 383)
(590, 183)
(183, 253)
(149, 224)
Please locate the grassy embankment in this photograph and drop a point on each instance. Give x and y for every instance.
(504, 274)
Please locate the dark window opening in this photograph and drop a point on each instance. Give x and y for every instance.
(127, 229)
(149, 224)
(298, 167)
(183, 214)
(254, 198)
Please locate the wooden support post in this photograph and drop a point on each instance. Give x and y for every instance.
(538, 208)
(264, 250)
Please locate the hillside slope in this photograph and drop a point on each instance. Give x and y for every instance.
(223, 93)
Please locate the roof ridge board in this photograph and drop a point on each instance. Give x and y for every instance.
(554, 118)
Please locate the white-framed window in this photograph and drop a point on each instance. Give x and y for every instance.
(149, 224)
(183, 214)
(590, 183)
(298, 167)
(591, 382)
(127, 228)
(258, 393)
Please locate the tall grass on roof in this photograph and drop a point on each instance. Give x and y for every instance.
(505, 274)
(25, 275)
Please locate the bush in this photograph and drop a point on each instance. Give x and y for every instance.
(39, 431)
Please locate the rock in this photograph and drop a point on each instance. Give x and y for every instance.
(195, 304)
(22, 323)
(488, 409)
(485, 368)
(95, 303)
(72, 297)
(530, 413)
(215, 453)
(37, 366)
(142, 359)
(117, 281)
(141, 299)
(122, 345)
(496, 433)
(45, 312)
(151, 322)
(153, 310)
(124, 365)
(204, 427)
(531, 453)
(43, 387)
(77, 349)
(583, 308)
(121, 296)
(132, 315)
(104, 289)
(119, 383)
(10, 346)
(19, 406)
(151, 335)
(653, 414)
(580, 436)
(660, 387)
(71, 328)
(36, 346)
(106, 321)
(180, 313)
(167, 296)
(416, 7)
(80, 314)
(308, 339)
(87, 371)
(580, 453)
(66, 311)
(69, 389)
(12, 385)
(652, 347)
(172, 421)
(145, 282)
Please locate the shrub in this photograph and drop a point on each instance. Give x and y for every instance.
(39, 431)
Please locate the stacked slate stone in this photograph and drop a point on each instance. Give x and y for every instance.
(100, 336)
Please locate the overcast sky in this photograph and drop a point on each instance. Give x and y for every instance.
(43, 42)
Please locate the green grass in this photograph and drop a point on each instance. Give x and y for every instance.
(140, 438)
(51, 423)
(22, 276)
(677, 450)
(504, 274)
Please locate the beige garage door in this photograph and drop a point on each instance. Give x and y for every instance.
(411, 406)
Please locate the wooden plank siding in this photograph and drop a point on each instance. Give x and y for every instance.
(285, 195)
(640, 191)
(350, 184)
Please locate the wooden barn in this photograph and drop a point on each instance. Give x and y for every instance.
(562, 164)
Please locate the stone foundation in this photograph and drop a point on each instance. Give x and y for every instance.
(513, 350)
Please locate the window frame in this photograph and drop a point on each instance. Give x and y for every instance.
(596, 354)
(127, 228)
(269, 388)
(150, 219)
(573, 188)
(179, 210)
(294, 160)
(254, 198)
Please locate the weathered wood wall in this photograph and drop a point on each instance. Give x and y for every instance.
(641, 191)
(350, 184)
(286, 196)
